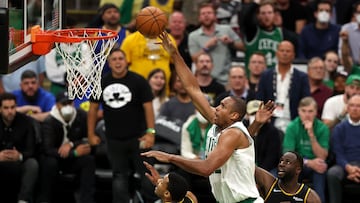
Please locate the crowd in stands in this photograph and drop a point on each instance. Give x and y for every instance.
(249, 49)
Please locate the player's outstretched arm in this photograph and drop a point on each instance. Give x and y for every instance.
(264, 180)
(188, 79)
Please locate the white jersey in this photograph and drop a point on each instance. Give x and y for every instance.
(235, 180)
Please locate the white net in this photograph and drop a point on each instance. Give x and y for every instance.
(84, 62)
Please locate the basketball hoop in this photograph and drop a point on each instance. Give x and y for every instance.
(84, 51)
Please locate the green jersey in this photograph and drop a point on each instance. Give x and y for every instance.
(265, 42)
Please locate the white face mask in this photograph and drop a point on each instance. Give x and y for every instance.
(251, 119)
(200, 118)
(323, 17)
(357, 17)
(67, 112)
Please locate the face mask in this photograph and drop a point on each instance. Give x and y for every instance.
(251, 119)
(357, 17)
(67, 112)
(200, 118)
(323, 17)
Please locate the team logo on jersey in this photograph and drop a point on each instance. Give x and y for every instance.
(116, 95)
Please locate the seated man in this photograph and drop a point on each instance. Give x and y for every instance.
(309, 136)
(17, 141)
(346, 145)
(32, 99)
(285, 188)
(65, 149)
(172, 187)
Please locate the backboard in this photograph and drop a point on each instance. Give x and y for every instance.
(16, 19)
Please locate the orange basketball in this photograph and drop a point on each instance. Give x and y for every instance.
(151, 22)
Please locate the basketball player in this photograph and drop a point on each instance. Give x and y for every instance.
(230, 156)
(172, 187)
(285, 188)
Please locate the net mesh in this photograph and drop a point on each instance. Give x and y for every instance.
(84, 62)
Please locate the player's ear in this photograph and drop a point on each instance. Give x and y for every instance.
(235, 116)
(167, 194)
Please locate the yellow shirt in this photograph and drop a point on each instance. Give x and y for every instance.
(144, 55)
(167, 7)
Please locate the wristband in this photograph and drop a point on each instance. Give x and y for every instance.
(75, 153)
(151, 130)
(205, 49)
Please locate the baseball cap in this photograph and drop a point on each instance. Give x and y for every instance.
(353, 80)
(253, 106)
(63, 97)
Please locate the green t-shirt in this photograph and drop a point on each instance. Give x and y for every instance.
(297, 139)
(265, 42)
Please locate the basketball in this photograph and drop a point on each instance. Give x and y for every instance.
(151, 22)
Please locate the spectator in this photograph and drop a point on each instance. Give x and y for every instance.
(157, 83)
(286, 188)
(129, 121)
(17, 149)
(267, 139)
(238, 86)
(32, 99)
(293, 15)
(110, 16)
(285, 85)
(350, 35)
(208, 84)
(346, 145)
(261, 35)
(331, 60)
(256, 66)
(181, 102)
(340, 82)
(144, 55)
(319, 37)
(309, 136)
(11, 82)
(65, 149)
(335, 108)
(316, 73)
(177, 26)
(216, 40)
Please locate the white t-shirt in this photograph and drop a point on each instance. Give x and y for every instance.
(333, 107)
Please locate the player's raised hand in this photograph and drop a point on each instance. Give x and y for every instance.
(166, 43)
(154, 175)
(265, 111)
